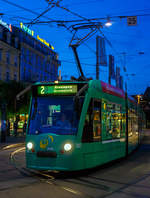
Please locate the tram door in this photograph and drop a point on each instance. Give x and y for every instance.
(92, 124)
(92, 136)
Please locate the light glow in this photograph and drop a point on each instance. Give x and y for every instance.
(67, 147)
(43, 41)
(6, 25)
(108, 24)
(57, 89)
(29, 145)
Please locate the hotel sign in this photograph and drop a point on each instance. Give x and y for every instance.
(6, 25)
(43, 41)
(26, 29)
(31, 32)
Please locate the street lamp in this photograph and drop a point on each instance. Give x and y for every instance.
(108, 22)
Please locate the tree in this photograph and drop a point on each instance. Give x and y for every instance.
(8, 92)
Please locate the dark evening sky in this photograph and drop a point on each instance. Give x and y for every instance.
(130, 45)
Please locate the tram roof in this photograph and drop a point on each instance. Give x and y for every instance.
(97, 84)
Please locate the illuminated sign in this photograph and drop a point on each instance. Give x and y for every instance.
(52, 47)
(26, 29)
(31, 32)
(57, 90)
(10, 28)
(6, 25)
(43, 41)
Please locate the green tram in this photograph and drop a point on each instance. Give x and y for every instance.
(79, 125)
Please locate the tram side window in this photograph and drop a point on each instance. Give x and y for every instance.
(87, 135)
(113, 121)
(92, 125)
(132, 122)
(97, 121)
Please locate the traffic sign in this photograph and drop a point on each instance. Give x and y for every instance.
(132, 20)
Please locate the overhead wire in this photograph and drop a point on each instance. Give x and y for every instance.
(88, 21)
(35, 19)
(45, 11)
(23, 8)
(71, 12)
(87, 64)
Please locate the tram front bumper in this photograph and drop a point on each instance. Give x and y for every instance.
(58, 163)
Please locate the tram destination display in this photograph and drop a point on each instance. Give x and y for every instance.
(57, 89)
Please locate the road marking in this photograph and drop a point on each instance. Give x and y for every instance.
(13, 153)
(49, 182)
(71, 190)
(17, 151)
(49, 176)
(12, 146)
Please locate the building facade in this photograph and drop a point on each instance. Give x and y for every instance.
(26, 57)
(38, 61)
(9, 54)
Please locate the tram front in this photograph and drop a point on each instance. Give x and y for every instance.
(52, 128)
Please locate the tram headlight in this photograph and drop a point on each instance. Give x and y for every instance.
(67, 147)
(29, 145)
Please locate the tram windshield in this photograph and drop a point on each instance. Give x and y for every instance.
(53, 114)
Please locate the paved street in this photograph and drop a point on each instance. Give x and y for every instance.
(128, 178)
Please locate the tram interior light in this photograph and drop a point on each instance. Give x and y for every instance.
(29, 145)
(67, 147)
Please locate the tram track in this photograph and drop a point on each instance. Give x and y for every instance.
(48, 177)
(59, 180)
(11, 146)
(52, 178)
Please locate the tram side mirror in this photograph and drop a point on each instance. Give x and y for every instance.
(78, 102)
(34, 110)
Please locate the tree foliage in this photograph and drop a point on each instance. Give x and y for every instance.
(8, 92)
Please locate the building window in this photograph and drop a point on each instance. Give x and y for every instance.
(27, 56)
(15, 60)
(8, 57)
(7, 76)
(16, 42)
(0, 54)
(36, 61)
(15, 77)
(30, 57)
(8, 37)
(23, 55)
(1, 33)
